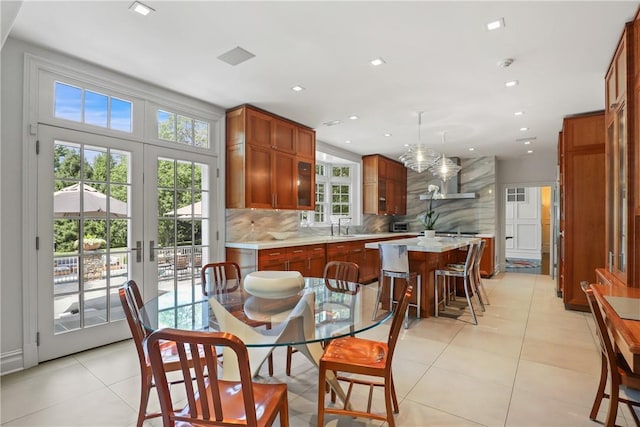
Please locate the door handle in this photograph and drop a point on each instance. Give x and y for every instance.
(152, 250)
(138, 250)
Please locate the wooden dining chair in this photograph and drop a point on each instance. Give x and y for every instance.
(361, 356)
(221, 277)
(210, 400)
(131, 301)
(612, 364)
(337, 276)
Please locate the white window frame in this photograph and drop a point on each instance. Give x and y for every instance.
(327, 178)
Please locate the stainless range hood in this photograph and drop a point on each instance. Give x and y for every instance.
(450, 189)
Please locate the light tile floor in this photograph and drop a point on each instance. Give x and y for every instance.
(529, 362)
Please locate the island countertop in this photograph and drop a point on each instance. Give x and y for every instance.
(433, 244)
(310, 240)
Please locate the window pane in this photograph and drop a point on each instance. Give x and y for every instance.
(68, 102)
(96, 106)
(120, 115)
(319, 169)
(185, 130)
(166, 125)
(201, 133)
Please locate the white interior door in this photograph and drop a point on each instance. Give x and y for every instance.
(88, 215)
(523, 223)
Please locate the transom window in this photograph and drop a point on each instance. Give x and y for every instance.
(182, 129)
(92, 108)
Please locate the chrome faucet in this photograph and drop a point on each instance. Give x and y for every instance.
(347, 220)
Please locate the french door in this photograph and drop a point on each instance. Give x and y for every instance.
(100, 224)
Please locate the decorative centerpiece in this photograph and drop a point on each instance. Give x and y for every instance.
(90, 243)
(429, 218)
(273, 284)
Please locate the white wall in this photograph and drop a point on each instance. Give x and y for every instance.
(14, 338)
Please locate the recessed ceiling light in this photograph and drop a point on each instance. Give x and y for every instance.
(527, 142)
(406, 145)
(518, 113)
(529, 138)
(332, 123)
(530, 152)
(377, 61)
(494, 25)
(387, 134)
(297, 88)
(353, 117)
(348, 141)
(471, 149)
(512, 83)
(524, 129)
(140, 8)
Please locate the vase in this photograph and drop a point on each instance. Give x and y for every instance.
(430, 234)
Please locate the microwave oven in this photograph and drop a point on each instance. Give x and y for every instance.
(399, 227)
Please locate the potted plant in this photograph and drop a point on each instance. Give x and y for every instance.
(90, 243)
(430, 217)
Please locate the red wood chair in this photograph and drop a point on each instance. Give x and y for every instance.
(131, 303)
(212, 401)
(364, 357)
(612, 363)
(343, 273)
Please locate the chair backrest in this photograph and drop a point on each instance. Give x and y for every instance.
(131, 301)
(606, 346)
(480, 251)
(471, 257)
(398, 318)
(220, 277)
(204, 370)
(343, 273)
(394, 258)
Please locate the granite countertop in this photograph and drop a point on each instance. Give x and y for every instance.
(310, 240)
(434, 244)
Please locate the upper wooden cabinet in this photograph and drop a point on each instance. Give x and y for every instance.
(384, 186)
(621, 142)
(270, 161)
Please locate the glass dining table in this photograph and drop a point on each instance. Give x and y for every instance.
(317, 313)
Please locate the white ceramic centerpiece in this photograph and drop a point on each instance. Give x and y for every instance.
(273, 284)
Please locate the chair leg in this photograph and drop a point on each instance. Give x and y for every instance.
(270, 362)
(476, 289)
(466, 293)
(375, 308)
(145, 388)
(389, 404)
(394, 396)
(321, 380)
(288, 368)
(612, 413)
(604, 373)
(437, 301)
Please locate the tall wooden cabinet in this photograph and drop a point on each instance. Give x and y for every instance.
(582, 207)
(270, 161)
(384, 186)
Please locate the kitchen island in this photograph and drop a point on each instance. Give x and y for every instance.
(426, 256)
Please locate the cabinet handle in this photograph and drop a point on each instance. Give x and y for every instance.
(318, 249)
(298, 251)
(274, 253)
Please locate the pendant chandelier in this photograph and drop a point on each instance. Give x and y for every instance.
(444, 168)
(418, 157)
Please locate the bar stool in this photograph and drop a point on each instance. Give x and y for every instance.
(479, 287)
(466, 274)
(394, 263)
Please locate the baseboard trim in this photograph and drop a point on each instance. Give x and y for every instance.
(11, 361)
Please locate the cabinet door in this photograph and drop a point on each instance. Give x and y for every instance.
(393, 197)
(283, 176)
(298, 259)
(306, 143)
(284, 136)
(259, 129)
(272, 259)
(369, 269)
(317, 260)
(258, 175)
(337, 252)
(305, 185)
(487, 263)
(370, 198)
(357, 254)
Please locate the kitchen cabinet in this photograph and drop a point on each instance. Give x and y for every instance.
(488, 260)
(384, 186)
(582, 208)
(270, 161)
(309, 260)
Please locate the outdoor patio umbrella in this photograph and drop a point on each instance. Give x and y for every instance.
(66, 202)
(185, 211)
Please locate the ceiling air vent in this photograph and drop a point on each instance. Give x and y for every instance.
(236, 56)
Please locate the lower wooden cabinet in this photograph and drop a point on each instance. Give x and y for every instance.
(309, 260)
(488, 261)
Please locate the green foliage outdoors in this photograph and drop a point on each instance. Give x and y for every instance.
(68, 170)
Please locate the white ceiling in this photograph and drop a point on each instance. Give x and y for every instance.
(439, 59)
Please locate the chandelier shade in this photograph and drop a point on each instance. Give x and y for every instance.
(444, 168)
(418, 158)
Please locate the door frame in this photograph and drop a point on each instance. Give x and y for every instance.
(502, 203)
